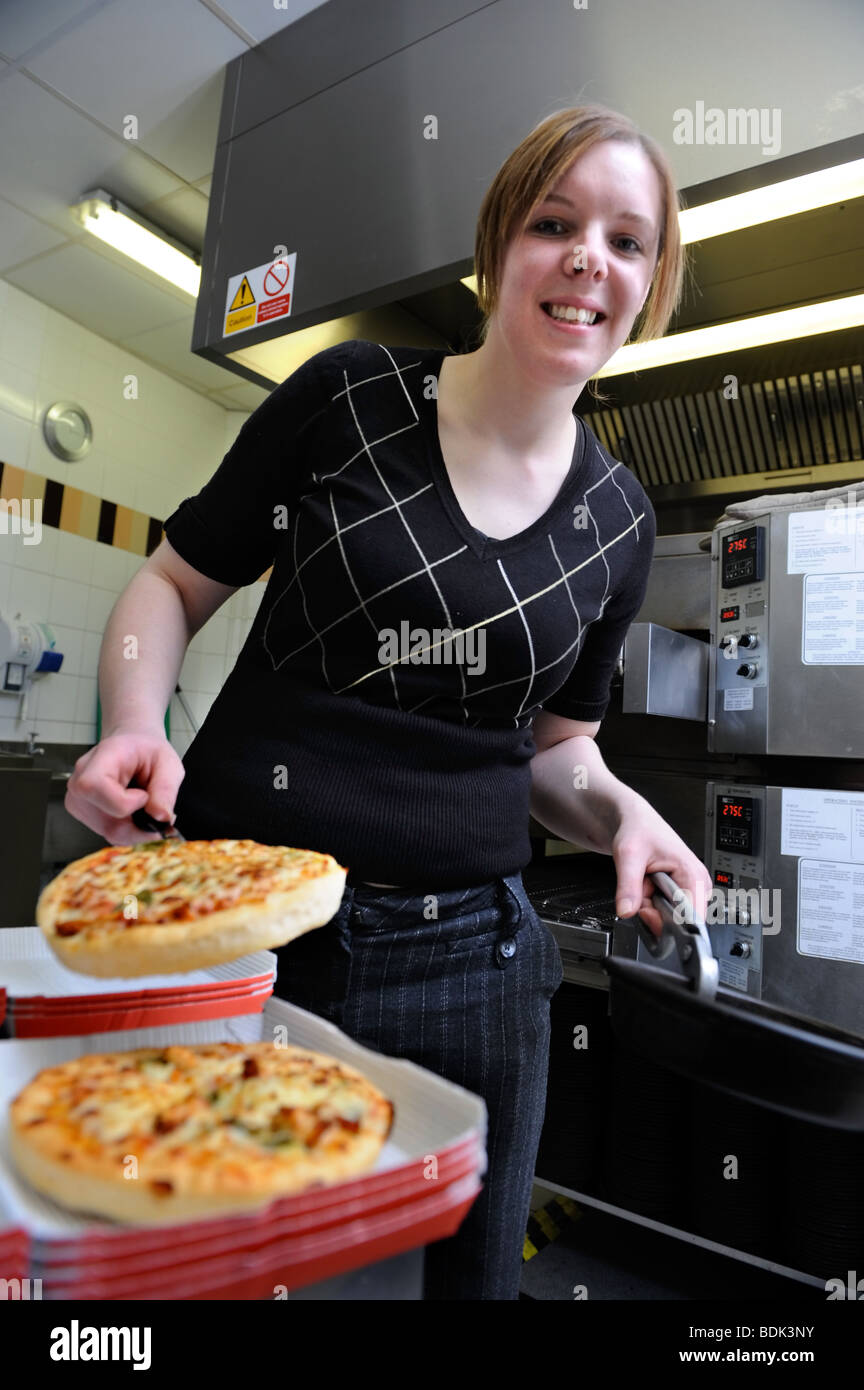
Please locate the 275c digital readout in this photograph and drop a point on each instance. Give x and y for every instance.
(736, 824)
(743, 557)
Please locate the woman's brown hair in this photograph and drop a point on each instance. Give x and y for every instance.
(533, 170)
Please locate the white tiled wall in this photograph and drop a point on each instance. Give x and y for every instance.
(147, 453)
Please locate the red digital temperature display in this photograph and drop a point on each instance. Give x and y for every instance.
(743, 557)
(729, 615)
(736, 824)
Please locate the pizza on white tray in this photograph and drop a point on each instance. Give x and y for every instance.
(158, 1135)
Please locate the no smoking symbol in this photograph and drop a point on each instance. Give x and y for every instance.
(276, 278)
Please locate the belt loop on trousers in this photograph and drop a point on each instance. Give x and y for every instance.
(512, 917)
(511, 905)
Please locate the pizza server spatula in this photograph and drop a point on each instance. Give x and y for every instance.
(146, 822)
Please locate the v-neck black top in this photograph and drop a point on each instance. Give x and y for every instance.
(381, 709)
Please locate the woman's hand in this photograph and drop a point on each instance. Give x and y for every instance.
(643, 843)
(98, 792)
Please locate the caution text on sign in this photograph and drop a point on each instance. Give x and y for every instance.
(260, 295)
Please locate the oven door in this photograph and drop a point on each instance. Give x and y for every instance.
(745, 1047)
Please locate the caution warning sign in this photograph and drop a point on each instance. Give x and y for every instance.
(243, 297)
(260, 295)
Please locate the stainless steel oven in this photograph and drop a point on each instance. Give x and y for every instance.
(787, 635)
(738, 713)
(788, 867)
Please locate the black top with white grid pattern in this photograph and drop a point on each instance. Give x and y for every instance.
(381, 708)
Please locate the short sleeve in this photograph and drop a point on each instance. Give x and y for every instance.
(227, 531)
(585, 695)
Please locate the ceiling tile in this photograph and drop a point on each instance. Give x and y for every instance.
(24, 25)
(97, 292)
(186, 140)
(261, 20)
(168, 345)
(51, 155)
(22, 237)
(141, 60)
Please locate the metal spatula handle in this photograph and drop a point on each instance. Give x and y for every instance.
(144, 821)
(689, 938)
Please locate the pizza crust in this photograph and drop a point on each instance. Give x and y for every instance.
(116, 949)
(131, 1201)
(106, 952)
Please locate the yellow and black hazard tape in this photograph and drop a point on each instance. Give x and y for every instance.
(546, 1224)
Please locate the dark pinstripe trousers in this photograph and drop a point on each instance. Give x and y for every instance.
(460, 983)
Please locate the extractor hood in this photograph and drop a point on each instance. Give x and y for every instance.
(331, 162)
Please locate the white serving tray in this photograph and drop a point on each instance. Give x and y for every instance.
(29, 967)
(431, 1113)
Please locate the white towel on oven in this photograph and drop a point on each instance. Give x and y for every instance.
(851, 494)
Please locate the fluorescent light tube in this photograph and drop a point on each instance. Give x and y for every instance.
(133, 236)
(784, 199)
(803, 322)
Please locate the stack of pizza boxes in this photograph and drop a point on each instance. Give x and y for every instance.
(425, 1179)
(40, 998)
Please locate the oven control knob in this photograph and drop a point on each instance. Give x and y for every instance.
(730, 640)
(749, 670)
(748, 640)
(740, 948)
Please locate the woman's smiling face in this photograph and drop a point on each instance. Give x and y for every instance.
(608, 204)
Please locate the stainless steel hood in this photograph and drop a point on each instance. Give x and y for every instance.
(329, 147)
(694, 451)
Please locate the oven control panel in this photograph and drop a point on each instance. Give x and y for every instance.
(742, 557)
(735, 858)
(739, 638)
(736, 824)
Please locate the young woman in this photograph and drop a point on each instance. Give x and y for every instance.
(456, 561)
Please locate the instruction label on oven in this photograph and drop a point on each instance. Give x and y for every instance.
(831, 910)
(826, 541)
(832, 630)
(825, 829)
(738, 699)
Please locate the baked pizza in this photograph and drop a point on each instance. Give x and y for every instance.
(174, 905)
(158, 1135)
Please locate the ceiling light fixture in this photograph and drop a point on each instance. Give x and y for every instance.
(118, 226)
(784, 199)
(805, 321)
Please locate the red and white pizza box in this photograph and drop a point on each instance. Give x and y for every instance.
(66, 1263)
(293, 1237)
(287, 1265)
(39, 997)
(69, 1020)
(439, 1128)
(13, 1240)
(15, 1256)
(314, 1210)
(15, 1269)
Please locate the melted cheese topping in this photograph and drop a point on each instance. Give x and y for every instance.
(173, 880)
(219, 1098)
